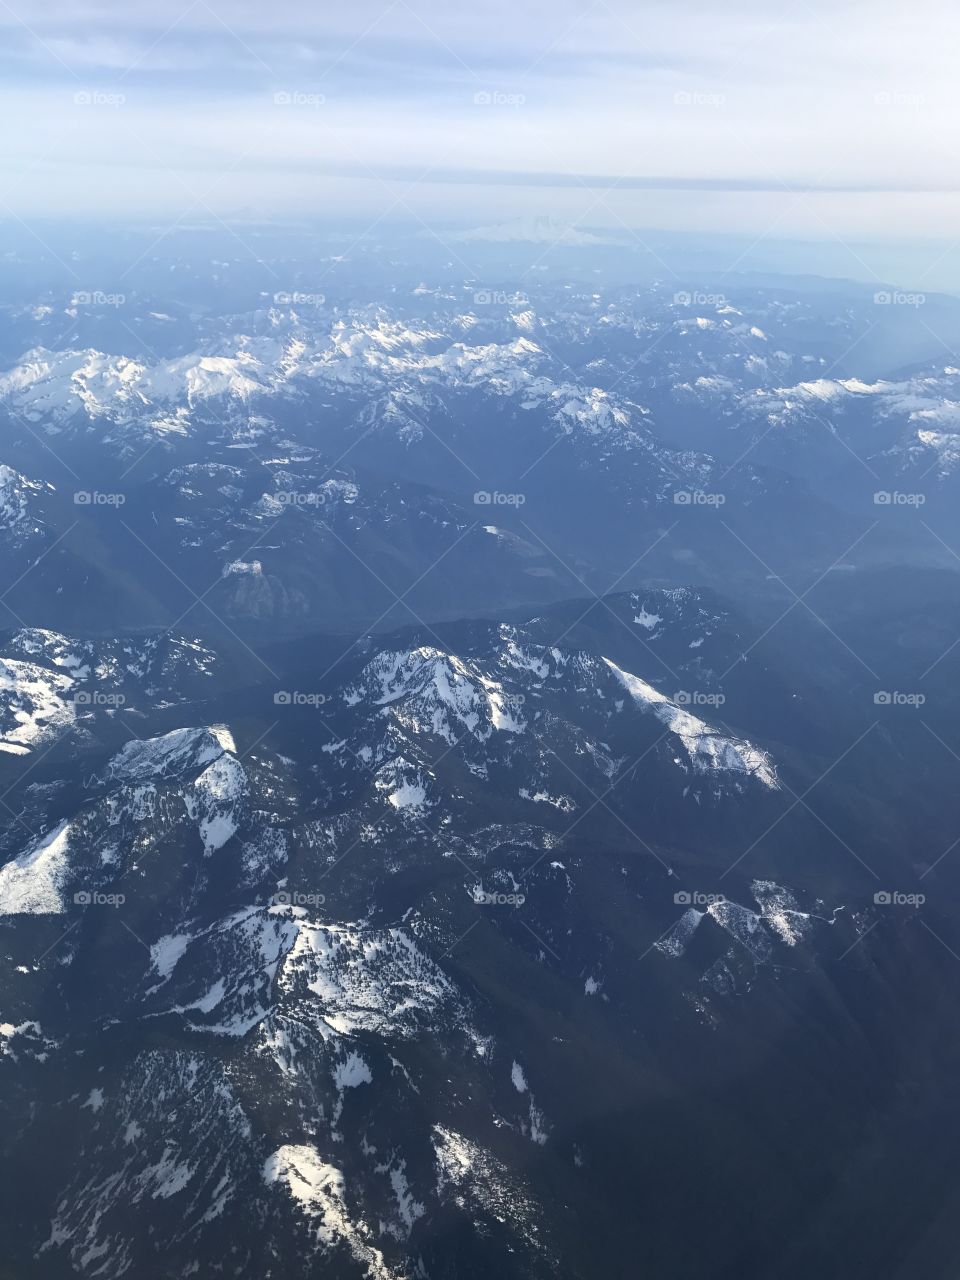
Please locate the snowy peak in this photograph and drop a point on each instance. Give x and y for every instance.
(18, 517)
(375, 981)
(179, 752)
(35, 705)
(59, 385)
(757, 935)
(428, 691)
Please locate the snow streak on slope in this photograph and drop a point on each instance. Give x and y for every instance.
(32, 883)
(707, 749)
(319, 1191)
(34, 705)
(17, 494)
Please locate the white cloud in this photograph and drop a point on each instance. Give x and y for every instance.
(855, 96)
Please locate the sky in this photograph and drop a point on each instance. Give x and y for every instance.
(810, 120)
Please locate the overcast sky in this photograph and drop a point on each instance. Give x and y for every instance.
(707, 116)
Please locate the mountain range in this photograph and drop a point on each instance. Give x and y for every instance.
(476, 761)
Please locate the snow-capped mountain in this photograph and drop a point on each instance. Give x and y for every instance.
(519, 703)
(20, 504)
(50, 683)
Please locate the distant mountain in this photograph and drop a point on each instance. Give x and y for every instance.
(528, 417)
(536, 230)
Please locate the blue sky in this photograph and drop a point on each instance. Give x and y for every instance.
(798, 119)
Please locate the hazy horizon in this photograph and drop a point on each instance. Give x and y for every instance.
(809, 124)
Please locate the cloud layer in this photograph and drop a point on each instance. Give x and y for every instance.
(689, 115)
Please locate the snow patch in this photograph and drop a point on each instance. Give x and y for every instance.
(32, 884)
